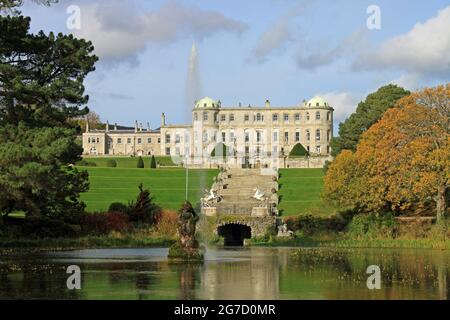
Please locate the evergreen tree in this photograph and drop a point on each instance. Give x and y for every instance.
(140, 163)
(144, 210)
(367, 113)
(298, 150)
(153, 162)
(41, 89)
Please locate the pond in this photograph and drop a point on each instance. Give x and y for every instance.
(228, 273)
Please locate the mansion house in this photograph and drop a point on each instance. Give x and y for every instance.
(252, 135)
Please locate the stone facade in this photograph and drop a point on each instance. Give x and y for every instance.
(253, 136)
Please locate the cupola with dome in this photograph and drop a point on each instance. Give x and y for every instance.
(317, 102)
(207, 102)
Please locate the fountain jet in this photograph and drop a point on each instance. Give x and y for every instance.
(193, 86)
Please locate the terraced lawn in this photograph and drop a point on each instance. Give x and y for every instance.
(300, 192)
(167, 186)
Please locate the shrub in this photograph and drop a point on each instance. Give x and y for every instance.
(140, 163)
(373, 226)
(85, 163)
(45, 227)
(119, 207)
(144, 209)
(153, 162)
(310, 224)
(103, 223)
(166, 223)
(298, 150)
(111, 163)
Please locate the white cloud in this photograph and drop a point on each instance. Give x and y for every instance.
(119, 30)
(278, 35)
(408, 81)
(424, 50)
(344, 103)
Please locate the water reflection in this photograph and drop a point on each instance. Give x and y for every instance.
(237, 273)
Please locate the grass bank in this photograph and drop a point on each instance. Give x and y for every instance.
(300, 192)
(167, 186)
(129, 162)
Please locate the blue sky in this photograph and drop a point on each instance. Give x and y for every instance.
(283, 50)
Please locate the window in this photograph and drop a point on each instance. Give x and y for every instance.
(308, 135)
(297, 136)
(297, 117)
(328, 149)
(224, 136)
(317, 115)
(258, 117)
(119, 140)
(205, 136)
(247, 136)
(231, 136)
(215, 116)
(328, 135)
(246, 117)
(275, 117)
(275, 150)
(89, 140)
(318, 149)
(275, 136)
(195, 116)
(231, 117)
(205, 116)
(98, 140)
(258, 151)
(317, 104)
(286, 137)
(307, 116)
(167, 151)
(177, 151)
(258, 136)
(149, 140)
(307, 148)
(328, 115)
(317, 135)
(159, 140)
(222, 117)
(139, 140)
(286, 117)
(167, 138)
(128, 140)
(247, 150)
(177, 138)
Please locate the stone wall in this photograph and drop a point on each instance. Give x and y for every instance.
(259, 225)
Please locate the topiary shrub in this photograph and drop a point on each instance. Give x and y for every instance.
(118, 207)
(298, 151)
(153, 162)
(111, 163)
(220, 151)
(140, 163)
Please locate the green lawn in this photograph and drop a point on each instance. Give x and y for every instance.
(129, 162)
(300, 192)
(109, 185)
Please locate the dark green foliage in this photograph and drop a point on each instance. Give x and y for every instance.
(118, 207)
(144, 209)
(45, 227)
(140, 163)
(220, 151)
(367, 113)
(153, 162)
(111, 163)
(298, 151)
(41, 89)
(309, 224)
(373, 226)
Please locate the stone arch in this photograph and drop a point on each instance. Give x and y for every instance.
(234, 233)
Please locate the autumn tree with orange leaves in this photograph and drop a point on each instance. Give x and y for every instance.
(401, 162)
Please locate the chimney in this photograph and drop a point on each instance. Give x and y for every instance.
(163, 120)
(140, 127)
(136, 126)
(107, 125)
(148, 127)
(267, 103)
(115, 126)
